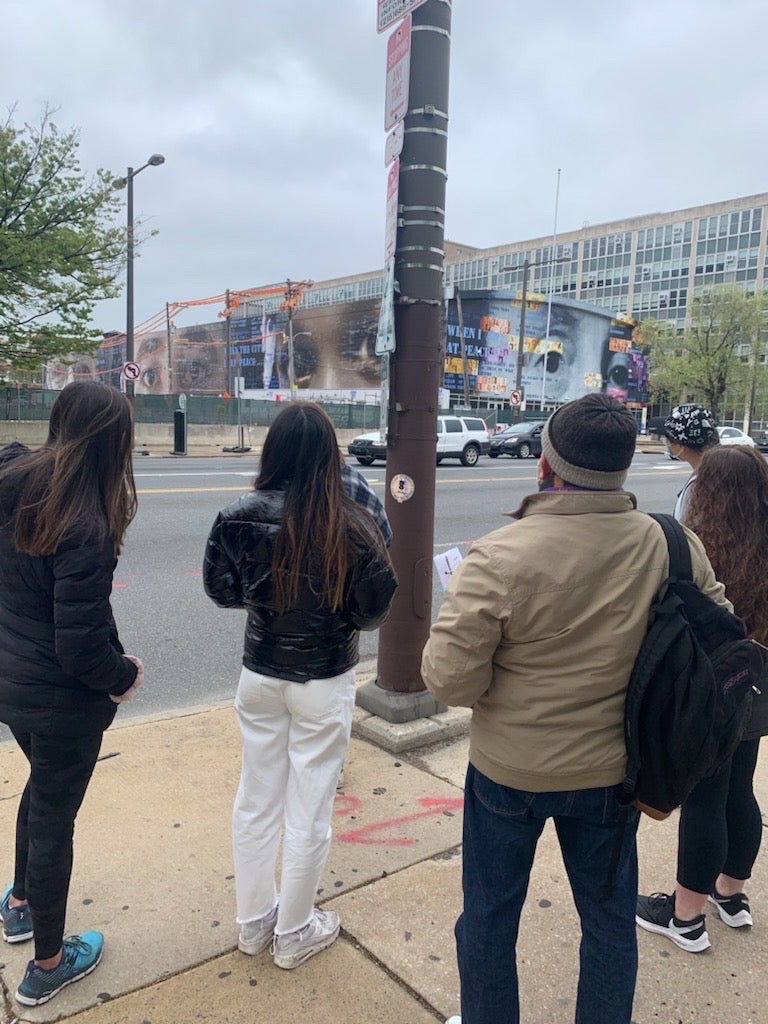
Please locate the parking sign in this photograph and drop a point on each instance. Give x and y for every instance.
(390, 11)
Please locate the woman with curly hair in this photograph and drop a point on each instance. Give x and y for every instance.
(720, 822)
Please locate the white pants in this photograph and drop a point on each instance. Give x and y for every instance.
(295, 737)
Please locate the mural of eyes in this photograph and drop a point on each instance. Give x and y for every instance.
(616, 376)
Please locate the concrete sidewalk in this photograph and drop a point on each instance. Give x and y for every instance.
(153, 870)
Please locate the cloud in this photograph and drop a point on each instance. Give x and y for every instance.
(270, 116)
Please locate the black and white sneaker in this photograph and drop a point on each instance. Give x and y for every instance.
(656, 913)
(733, 910)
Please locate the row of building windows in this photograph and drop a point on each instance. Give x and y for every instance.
(731, 223)
(727, 250)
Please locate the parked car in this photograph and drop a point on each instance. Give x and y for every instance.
(732, 435)
(458, 437)
(761, 440)
(520, 440)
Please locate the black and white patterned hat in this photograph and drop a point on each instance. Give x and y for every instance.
(690, 425)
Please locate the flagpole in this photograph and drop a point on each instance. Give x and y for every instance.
(552, 256)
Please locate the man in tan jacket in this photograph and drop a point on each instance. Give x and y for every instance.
(538, 633)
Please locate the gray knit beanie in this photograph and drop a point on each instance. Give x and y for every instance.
(590, 442)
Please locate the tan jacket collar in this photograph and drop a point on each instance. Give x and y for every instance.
(572, 503)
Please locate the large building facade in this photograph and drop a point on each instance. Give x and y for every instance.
(646, 266)
(611, 275)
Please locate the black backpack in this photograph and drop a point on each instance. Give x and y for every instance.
(690, 692)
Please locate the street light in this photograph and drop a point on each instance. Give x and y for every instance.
(154, 161)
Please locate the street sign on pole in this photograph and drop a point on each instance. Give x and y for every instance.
(385, 334)
(390, 222)
(516, 397)
(398, 74)
(131, 371)
(394, 144)
(390, 11)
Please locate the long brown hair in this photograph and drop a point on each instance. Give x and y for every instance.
(322, 528)
(82, 476)
(729, 512)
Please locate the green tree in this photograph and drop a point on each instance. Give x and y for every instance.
(60, 252)
(711, 355)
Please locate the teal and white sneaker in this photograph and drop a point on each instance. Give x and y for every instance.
(17, 921)
(81, 955)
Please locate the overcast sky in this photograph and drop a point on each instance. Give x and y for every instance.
(270, 114)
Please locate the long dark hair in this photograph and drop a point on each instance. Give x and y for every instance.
(81, 476)
(322, 527)
(728, 510)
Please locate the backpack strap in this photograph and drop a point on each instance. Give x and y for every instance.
(679, 552)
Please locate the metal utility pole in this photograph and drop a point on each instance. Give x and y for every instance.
(416, 369)
(228, 348)
(462, 346)
(520, 340)
(291, 367)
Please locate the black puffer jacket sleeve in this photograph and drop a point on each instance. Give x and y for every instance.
(221, 577)
(84, 628)
(371, 589)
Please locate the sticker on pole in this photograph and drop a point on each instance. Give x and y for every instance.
(131, 371)
(402, 488)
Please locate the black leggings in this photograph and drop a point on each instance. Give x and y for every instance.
(60, 770)
(720, 824)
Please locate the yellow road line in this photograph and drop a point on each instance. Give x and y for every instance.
(377, 483)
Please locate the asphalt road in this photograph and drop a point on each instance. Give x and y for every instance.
(191, 649)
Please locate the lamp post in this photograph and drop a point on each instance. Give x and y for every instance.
(154, 161)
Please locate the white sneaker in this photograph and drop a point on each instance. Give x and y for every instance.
(297, 947)
(257, 935)
(453, 1020)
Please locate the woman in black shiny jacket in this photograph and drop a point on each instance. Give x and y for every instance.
(311, 569)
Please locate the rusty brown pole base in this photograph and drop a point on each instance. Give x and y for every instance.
(394, 707)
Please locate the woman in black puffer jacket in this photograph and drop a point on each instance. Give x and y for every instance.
(64, 510)
(311, 569)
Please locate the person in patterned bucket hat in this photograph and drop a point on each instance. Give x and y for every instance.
(689, 431)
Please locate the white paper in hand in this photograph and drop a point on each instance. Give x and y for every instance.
(446, 564)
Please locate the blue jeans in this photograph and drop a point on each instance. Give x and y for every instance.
(501, 829)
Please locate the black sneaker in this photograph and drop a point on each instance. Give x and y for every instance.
(656, 913)
(733, 910)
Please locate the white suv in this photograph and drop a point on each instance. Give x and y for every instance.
(458, 437)
(462, 437)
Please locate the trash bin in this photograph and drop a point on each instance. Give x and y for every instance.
(179, 432)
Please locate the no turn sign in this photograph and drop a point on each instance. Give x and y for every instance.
(515, 397)
(131, 371)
